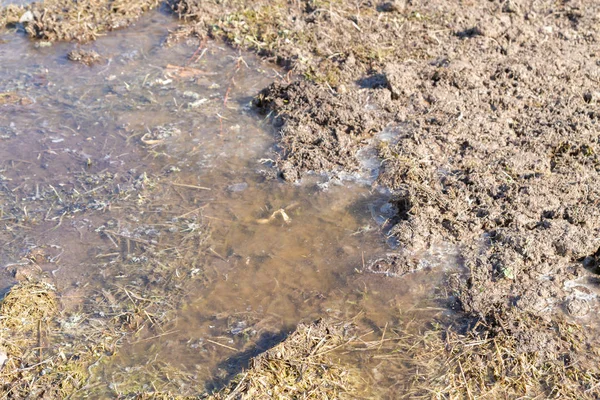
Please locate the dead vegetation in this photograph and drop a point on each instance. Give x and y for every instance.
(35, 363)
(50, 352)
(45, 355)
(10, 15)
(70, 20)
(495, 149)
(498, 152)
(302, 366)
(489, 362)
(141, 274)
(306, 364)
(327, 41)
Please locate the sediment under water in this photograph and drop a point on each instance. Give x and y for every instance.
(103, 165)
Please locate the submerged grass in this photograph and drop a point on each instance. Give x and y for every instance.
(485, 362)
(50, 345)
(50, 355)
(303, 366)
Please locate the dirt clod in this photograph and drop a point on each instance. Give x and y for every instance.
(319, 131)
(69, 20)
(86, 57)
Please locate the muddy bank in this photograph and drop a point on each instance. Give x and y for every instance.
(108, 194)
(498, 146)
(496, 106)
(319, 131)
(55, 20)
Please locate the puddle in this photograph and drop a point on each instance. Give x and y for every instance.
(129, 163)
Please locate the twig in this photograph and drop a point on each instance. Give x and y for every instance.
(155, 337)
(190, 186)
(222, 345)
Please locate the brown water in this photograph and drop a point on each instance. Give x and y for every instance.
(113, 169)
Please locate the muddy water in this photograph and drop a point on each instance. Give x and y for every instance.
(103, 166)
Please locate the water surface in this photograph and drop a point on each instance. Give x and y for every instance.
(123, 167)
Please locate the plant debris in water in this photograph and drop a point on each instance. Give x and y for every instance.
(35, 364)
(52, 340)
(494, 147)
(304, 366)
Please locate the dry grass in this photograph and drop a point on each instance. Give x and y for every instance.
(50, 355)
(327, 41)
(301, 367)
(10, 15)
(53, 353)
(488, 364)
(28, 304)
(33, 367)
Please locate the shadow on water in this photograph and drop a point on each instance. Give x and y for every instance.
(237, 363)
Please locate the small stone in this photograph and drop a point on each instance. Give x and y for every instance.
(591, 97)
(237, 187)
(511, 7)
(548, 29)
(192, 95)
(87, 57)
(578, 307)
(26, 272)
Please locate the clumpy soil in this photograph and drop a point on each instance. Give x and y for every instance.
(319, 131)
(68, 20)
(498, 144)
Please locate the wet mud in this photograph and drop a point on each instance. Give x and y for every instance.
(73, 20)
(144, 202)
(319, 131)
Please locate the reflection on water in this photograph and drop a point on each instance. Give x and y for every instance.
(171, 131)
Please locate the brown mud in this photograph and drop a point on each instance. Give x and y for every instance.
(319, 131)
(484, 116)
(73, 20)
